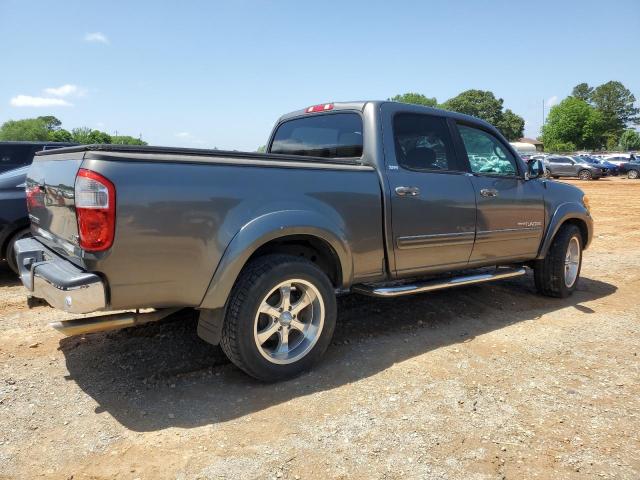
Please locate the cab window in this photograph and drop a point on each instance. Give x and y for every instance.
(423, 143)
(487, 155)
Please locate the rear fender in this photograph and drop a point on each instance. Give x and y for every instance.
(269, 227)
(566, 212)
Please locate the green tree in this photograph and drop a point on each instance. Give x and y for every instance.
(616, 103)
(582, 91)
(511, 125)
(50, 122)
(478, 103)
(85, 136)
(29, 129)
(630, 140)
(483, 104)
(127, 140)
(573, 122)
(60, 135)
(262, 149)
(416, 99)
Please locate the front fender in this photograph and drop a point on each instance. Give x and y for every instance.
(269, 227)
(564, 212)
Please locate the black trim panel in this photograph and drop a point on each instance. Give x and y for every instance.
(438, 240)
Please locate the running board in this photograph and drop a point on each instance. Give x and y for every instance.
(104, 323)
(439, 284)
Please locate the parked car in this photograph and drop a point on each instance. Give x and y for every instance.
(379, 198)
(562, 166)
(611, 168)
(631, 169)
(14, 218)
(18, 154)
(619, 158)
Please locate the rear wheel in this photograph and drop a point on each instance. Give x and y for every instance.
(585, 175)
(11, 260)
(280, 319)
(557, 274)
(633, 174)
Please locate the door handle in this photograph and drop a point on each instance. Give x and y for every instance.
(489, 192)
(407, 191)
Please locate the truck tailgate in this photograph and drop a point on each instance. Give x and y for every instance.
(50, 199)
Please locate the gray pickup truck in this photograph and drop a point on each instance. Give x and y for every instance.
(378, 198)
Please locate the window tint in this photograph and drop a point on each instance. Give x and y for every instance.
(422, 142)
(330, 136)
(486, 153)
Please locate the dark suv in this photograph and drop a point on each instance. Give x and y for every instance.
(561, 166)
(18, 154)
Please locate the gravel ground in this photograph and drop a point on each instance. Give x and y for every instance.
(484, 382)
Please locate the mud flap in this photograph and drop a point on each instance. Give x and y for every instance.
(210, 325)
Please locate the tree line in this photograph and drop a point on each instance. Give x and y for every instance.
(49, 129)
(593, 119)
(478, 103)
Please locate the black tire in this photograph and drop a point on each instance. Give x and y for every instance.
(633, 174)
(11, 260)
(256, 280)
(549, 272)
(555, 177)
(585, 175)
(547, 173)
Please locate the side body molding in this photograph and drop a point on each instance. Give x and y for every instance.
(564, 212)
(269, 227)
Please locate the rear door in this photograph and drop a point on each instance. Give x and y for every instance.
(510, 217)
(432, 200)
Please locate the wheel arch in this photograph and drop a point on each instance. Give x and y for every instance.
(300, 233)
(568, 213)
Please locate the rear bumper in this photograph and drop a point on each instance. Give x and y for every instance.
(57, 281)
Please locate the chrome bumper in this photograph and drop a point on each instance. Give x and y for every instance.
(57, 281)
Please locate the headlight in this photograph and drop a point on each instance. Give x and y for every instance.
(585, 202)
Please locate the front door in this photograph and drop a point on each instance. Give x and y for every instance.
(433, 206)
(510, 219)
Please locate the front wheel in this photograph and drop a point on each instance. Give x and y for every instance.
(633, 174)
(557, 274)
(585, 175)
(280, 319)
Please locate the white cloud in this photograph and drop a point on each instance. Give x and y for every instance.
(551, 101)
(96, 37)
(65, 91)
(183, 135)
(29, 101)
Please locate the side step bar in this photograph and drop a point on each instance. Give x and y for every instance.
(438, 284)
(116, 321)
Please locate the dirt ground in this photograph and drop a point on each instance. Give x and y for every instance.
(485, 382)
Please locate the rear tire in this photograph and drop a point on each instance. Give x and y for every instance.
(585, 175)
(267, 331)
(558, 273)
(11, 259)
(633, 174)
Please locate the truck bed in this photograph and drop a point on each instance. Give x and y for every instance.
(178, 210)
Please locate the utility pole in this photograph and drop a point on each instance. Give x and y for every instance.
(543, 111)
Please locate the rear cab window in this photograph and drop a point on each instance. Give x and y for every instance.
(334, 135)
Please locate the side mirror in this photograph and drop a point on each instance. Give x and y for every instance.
(535, 169)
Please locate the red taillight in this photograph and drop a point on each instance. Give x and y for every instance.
(95, 200)
(320, 108)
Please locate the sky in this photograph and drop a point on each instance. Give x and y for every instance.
(218, 74)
